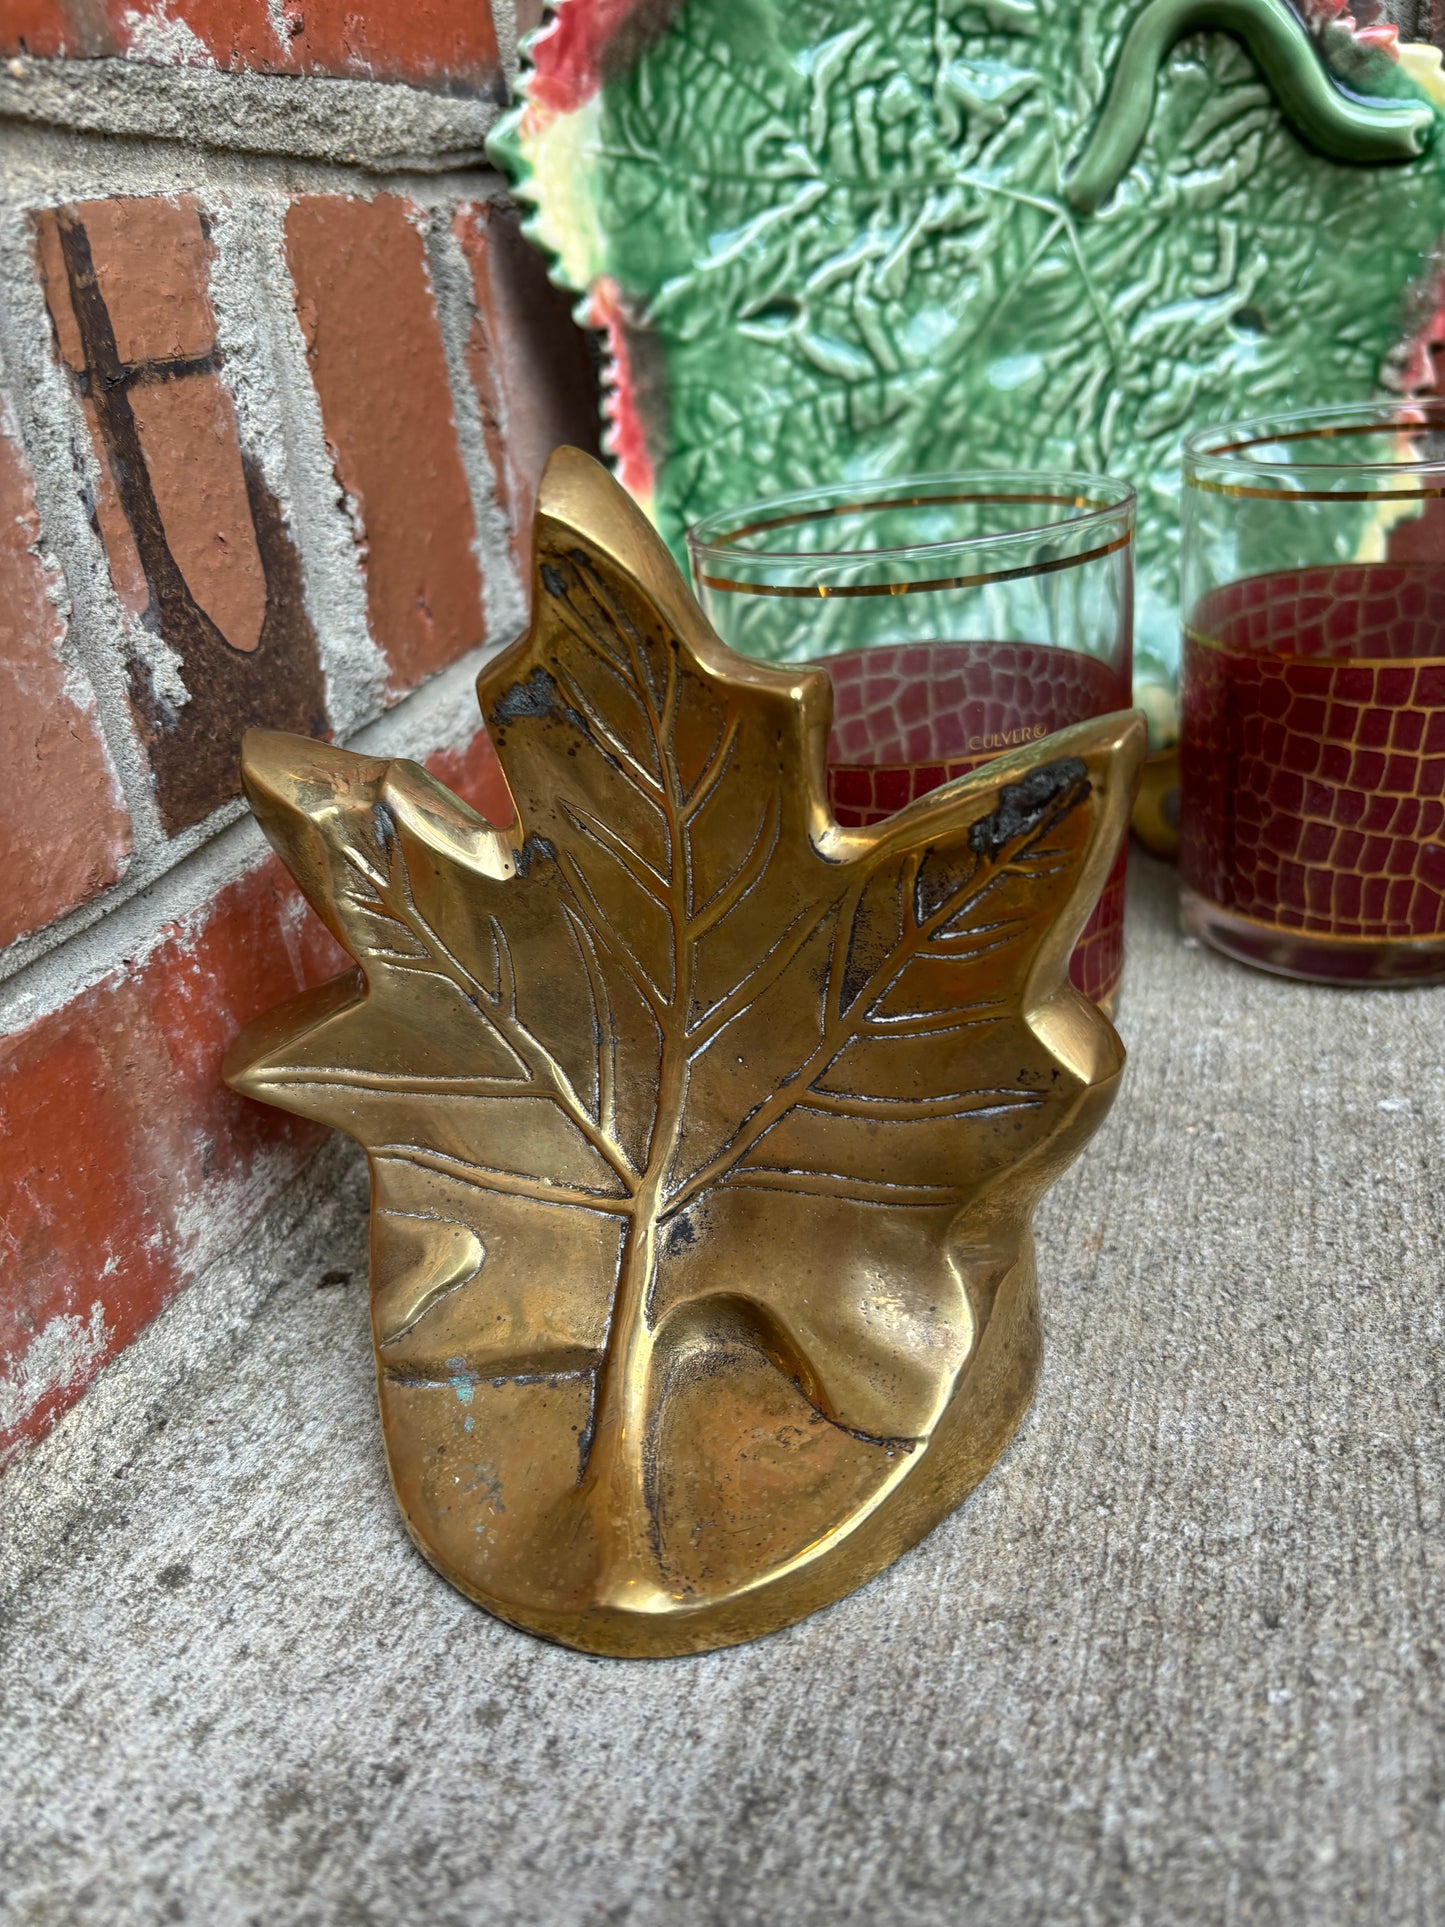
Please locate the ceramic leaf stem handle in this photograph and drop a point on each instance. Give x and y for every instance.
(1321, 113)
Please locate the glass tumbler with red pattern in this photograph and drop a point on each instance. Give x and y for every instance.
(958, 616)
(1312, 755)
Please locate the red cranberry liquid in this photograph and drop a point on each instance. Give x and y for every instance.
(1313, 771)
(908, 718)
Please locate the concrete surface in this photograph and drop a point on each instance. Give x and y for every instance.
(1178, 1660)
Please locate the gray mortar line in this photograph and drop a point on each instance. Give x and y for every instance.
(443, 714)
(122, 928)
(361, 123)
(47, 165)
(126, 932)
(280, 422)
(142, 874)
(77, 689)
(504, 21)
(504, 598)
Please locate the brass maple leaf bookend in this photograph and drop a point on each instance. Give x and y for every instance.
(704, 1134)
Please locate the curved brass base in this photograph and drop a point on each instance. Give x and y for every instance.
(931, 1481)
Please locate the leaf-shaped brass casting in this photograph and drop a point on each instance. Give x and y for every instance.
(704, 1134)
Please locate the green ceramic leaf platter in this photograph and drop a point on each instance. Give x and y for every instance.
(831, 240)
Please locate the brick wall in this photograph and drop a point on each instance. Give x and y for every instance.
(278, 376)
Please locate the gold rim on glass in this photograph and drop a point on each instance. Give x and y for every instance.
(719, 543)
(1226, 451)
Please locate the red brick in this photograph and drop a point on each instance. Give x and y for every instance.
(35, 27)
(423, 41)
(126, 1165)
(198, 548)
(49, 29)
(152, 267)
(64, 830)
(366, 308)
(527, 358)
(124, 559)
(188, 437)
(428, 42)
(475, 775)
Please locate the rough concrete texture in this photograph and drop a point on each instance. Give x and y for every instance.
(1179, 1659)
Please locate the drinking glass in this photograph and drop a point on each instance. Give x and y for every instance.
(957, 616)
(1312, 755)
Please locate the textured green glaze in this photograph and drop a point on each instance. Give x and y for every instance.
(845, 248)
(1345, 128)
